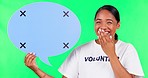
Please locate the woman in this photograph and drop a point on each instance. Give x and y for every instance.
(105, 57)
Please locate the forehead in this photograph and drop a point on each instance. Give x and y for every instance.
(104, 15)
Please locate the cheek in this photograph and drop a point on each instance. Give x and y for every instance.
(113, 30)
(96, 26)
(96, 29)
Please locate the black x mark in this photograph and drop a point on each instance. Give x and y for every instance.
(22, 45)
(65, 45)
(23, 13)
(65, 13)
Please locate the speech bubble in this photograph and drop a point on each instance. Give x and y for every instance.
(45, 28)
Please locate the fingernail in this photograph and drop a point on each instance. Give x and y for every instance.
(30, 53)
(34, 54)
(110, 37)
(100, 30)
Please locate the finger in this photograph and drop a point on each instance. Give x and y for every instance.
(34, 59)
(31, 59)
(101, 36)
(104, 38)
(108, 37)
(111, 38)
(28, 54)
(100, 29)
(99, 32)
(27, 57)
(101, 40)
(106, 33)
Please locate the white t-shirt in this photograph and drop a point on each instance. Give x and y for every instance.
(89, 61)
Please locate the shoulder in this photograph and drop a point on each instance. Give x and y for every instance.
(124, 44)
(126, 48)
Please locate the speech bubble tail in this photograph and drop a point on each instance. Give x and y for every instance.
(45, 60)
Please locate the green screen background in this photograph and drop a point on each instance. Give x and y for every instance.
(134, 25)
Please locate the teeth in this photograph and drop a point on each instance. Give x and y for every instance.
(106, 32)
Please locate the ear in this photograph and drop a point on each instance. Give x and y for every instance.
(118, 25)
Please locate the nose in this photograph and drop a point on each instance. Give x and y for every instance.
(104, 26)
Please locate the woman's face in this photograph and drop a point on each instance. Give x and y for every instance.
(107, 22)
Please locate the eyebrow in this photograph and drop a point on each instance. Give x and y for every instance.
(97, 19)
(109, 19)
(101, 19)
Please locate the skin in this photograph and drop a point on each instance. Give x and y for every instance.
(104, 21)
(107, 22)
(30, 63)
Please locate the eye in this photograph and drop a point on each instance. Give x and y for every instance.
(109, 23)
(98, 22)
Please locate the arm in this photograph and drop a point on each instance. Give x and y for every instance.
(30, 63)
(119, 70)
(108, 45)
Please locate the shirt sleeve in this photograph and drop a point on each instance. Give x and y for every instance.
(132, 63)
(70, 66)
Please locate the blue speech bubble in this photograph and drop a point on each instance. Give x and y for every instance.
(46, 28)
